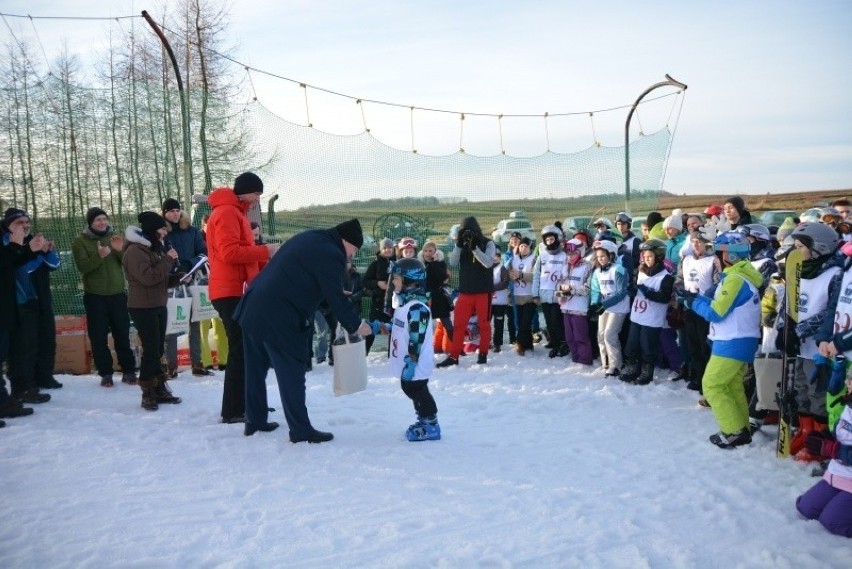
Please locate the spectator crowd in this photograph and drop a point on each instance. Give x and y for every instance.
(698, 299)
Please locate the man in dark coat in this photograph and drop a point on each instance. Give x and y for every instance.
(276, 315)
(13, 254)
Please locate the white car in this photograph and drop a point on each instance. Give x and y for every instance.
(506, 227)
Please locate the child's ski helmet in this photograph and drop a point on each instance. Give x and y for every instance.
(820, 238)
(734, 243)
(413, 271)
(655, 245)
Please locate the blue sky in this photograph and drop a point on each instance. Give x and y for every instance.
(767, 109)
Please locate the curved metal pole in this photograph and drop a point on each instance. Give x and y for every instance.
(184, 109)
(270, 215)
(669, 82)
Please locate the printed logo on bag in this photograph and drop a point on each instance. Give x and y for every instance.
(203, 299)
(180, 315)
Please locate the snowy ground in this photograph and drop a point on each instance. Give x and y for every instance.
(542, 464)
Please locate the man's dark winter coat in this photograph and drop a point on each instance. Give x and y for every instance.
(280, 303)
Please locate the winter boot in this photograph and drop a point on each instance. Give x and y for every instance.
(425, 429)
(629, 372)
(646, 376)
(106, 380)
(563, 350)
(722, 440)
(164, 394)
(149, 394)
(682, 373)
(447, 362)
(482, 359)
(128, 377)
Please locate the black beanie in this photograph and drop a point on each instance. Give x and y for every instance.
(737, 202)
(351, 231)
(150, 222)
(11, 215)
(93, 213)
(248, 183)
(170, 204)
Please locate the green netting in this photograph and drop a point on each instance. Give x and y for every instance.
(66, 148)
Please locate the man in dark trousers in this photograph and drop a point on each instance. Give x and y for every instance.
(276, 316)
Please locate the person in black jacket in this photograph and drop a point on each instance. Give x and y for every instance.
(473, 254)
(376, 284)
(13, 254)
(437, 275)
(32, 344)
(276, 314)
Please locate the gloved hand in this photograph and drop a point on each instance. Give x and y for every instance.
(791, 348)
(596, 308)
(465, 239)
(769, 320)
(838, 375)
(408, 370)
(642, 288)
(378, 327)
(688, 297)
(821, 444)
(821, 363)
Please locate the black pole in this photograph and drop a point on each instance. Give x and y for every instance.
(184, 110)
(669, 82)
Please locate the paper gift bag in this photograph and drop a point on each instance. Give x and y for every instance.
(350, 364)
(202, 308)
(179, 308)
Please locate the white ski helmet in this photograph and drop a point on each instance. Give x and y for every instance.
(603, 221)
(820, 238)
(756, 230)
(607, 246)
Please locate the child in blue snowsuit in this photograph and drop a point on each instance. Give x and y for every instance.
(411, 351)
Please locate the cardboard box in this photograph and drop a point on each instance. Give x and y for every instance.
(72, 355)
(135, 347)
(66, 324)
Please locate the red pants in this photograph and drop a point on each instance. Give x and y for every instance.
(466, 306)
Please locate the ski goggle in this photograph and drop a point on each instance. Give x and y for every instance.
(407, 242)
(623, 218)
(572, 247)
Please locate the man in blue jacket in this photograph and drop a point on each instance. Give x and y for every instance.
(276, 316)
(187, 240)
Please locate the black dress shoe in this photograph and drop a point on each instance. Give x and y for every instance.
(33, 396)
(14, 409)
(251, 428)
(233, 420)
(314, 437)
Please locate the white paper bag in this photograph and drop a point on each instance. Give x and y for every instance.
(179, 308)
(767, 372)
(350, 364)
(202, 308)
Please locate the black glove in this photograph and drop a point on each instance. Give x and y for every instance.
(769, 320)
(791, 347)
(688, 297)
(596, 308)
(643, 289)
